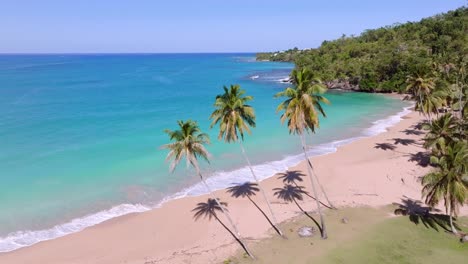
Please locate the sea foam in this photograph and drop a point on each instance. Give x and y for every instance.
(26, 238)
(217, 181)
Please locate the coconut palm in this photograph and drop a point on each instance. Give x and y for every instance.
(291, 193)
(209, 209)
(422, 91)
(441, 132)
(305, 80)
(248, 190)
(460, 89)
(302, 108)
(293, 177)
(447, 181)
(189, 143)
(235, 117)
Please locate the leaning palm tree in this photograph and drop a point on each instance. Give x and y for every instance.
(291, 193)
(249, 189)
(189, 143)
(305, 80)
(209, 210)
(422, 91)
(441, 132)
(447, 181)
(235, 116)
(293, 177)
(302, 108)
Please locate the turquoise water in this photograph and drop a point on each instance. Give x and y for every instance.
(80, 134)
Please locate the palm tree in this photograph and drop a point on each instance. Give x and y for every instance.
(423, 91)
(441, 132)
(447, 182)
(291, 193)
(235, 116)
(460, 88)
(249, 189)
(209, 210)
(302, 108)
(293, 177)
(305, 80)
(189, 143)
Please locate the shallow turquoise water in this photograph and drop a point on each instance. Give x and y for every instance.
(81, 133)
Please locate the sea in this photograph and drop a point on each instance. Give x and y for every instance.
(81, 134)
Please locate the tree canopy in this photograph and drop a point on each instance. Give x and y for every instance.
(380, 60)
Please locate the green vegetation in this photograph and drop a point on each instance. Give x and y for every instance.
(382, 59)
(447, 141)
(398, 240)
(369, 236)
(428, 61)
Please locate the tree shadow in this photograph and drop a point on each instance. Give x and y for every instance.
(421, 158)
(291, 176)
(414, 132)
(404, 141)
(418, 213)
(249, 189)
(295, 176)
(385, 146)
(209, 210)
(419, 126)
(292, 193)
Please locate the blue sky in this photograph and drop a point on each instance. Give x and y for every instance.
(83, 26)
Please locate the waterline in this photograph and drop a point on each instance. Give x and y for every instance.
(218, 180)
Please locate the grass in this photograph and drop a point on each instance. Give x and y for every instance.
(370, 236)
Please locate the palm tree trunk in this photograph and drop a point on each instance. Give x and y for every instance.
(321, 186)
(308, 215)
(322, 221)
(268, 219)
(236, 238)
(460, 106)
(261, 189)
(450, 213)
(225, 212)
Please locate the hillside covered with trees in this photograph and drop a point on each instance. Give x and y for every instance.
(380, 60)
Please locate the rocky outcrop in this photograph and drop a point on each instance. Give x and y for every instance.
(344, 84)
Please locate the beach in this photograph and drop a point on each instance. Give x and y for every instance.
(372, 171)
(92, 142)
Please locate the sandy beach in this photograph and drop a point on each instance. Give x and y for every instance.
(372, 171)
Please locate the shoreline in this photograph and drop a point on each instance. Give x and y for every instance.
(265, 170)
(168, 234)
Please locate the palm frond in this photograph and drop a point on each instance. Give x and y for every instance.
(189, 143)
(233, 114)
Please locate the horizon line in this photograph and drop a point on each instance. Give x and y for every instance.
(124, 53)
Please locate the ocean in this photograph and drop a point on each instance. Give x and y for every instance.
(80, 135)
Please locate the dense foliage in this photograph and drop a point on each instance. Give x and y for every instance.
(382, 59)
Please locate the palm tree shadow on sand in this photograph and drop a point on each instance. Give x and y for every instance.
(208, 210)
(405, 141)
(385, 146)
(414, 132)
(418, 213)
(248, 190)
(291, 193)
(295, 176)
(421, 158)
